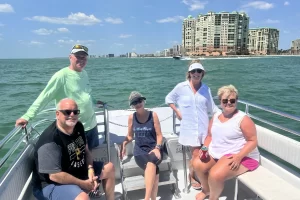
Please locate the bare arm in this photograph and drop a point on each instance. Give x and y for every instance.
(89, 157)
(129, 136)
(207, 140)
(159, 137)
(249, 132)
(65, 178)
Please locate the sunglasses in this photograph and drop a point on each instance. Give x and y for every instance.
(79, 46)
(68, 112)
(137, 102)
(196, 70)
(225, 101)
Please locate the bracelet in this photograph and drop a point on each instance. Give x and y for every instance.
(90, 167)
(158, 146)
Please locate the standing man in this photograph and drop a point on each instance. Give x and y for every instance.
(64, 167)
(71, 82)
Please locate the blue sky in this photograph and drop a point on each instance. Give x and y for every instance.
(43, 29)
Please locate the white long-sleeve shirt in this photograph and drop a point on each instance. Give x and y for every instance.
(195, 110)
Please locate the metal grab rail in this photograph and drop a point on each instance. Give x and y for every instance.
(186, 188)
(10, 135)
(272, 111)
(106, 131)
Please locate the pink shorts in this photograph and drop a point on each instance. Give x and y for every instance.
(247, 162)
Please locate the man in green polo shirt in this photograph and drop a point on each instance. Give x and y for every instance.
(69, 82)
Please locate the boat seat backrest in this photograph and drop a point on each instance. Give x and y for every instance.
(279, 145)
(100, 154)
(16, 176)
(175, 150)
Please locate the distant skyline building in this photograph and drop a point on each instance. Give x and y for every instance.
(295, 47)
(263, 41)
(216, 33)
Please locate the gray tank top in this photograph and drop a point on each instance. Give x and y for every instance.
(145, 135)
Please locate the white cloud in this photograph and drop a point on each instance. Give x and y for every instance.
(72, 42)
(262, 5)
(114, 20)
(125, 36)
(42, 31)
(147, 22)
(118, 44)
(1, 24)
(286, 3)
(170, 19)
(194, 4)
(251, 22)
(73, 19)
(63, 30)
(0, 36)
(286, 32)
(33, 42)
(6, 8)
(272, 21)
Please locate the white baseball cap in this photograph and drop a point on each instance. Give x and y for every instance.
(196, 66)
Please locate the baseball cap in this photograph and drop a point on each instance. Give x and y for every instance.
(196, 66)
(78, 48)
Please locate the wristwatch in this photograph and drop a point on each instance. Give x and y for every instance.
(158, 146)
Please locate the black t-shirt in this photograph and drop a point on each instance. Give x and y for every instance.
(56, 151)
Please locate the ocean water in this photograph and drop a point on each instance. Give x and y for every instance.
(267, 81)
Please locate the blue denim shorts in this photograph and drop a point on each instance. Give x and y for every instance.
(57, 191)
(92, 138)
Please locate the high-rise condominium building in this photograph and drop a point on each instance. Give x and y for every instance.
(216, 33)
(263, 41)
(295, 47)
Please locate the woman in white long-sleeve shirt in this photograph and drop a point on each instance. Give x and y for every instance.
(195, 104)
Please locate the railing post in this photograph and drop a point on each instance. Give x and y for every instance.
(106, 130)
(174, 123)
(186, 189)
(247, 109)
(26, 135)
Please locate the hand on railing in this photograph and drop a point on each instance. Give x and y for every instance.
(21, 122)
(100, 104)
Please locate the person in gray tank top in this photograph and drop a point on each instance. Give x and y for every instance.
(144, 126)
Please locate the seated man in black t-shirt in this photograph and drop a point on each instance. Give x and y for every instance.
(64, 167)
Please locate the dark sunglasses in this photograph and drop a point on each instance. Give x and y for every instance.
(68, 112)
(196, 70)
(225, 101)
(78, 46)
(136, 102)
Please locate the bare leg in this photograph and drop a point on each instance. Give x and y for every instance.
(195, 155)
(155, 188)
(219, 173)
(108, 179)
(150, 175)
(201, 170)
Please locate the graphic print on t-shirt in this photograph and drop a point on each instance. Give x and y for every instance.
(76, 150)
(142, 132)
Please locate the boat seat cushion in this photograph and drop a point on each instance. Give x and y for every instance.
(268, 185)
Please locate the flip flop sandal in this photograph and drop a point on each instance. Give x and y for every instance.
(95, 194)
(196, 185)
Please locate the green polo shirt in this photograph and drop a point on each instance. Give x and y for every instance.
(67, 83)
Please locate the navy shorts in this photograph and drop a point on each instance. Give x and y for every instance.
(142, 160)
(57, 191)
(92, 138)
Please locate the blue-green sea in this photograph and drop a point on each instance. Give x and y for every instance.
(269, 81)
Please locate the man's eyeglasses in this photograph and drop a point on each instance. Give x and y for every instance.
(79, 46)
(196, 70)
(136, 102)
(225, 101)
(68, 112)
